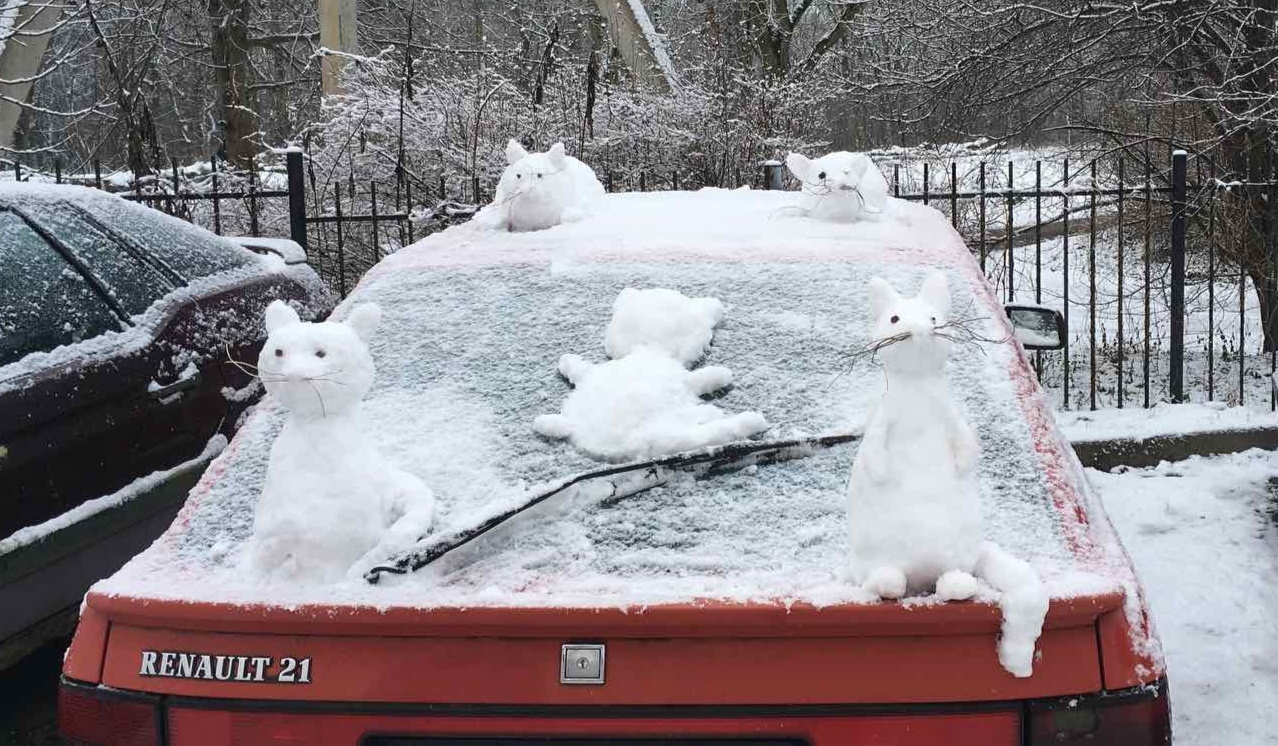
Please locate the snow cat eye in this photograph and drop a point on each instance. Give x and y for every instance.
(538, 176)
(895, 319)
(320, 353)
(279, 352)
(821, 175)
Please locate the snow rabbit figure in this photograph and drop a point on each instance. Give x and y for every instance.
(329, 497)
(914, 512)
(540, 190)
(645, 402)
(840, 187)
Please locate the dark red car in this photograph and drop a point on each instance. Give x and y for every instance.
(117, 323)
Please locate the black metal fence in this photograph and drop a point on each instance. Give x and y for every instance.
(1159, 274)
(1166, 307)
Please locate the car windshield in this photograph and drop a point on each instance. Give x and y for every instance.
(189, 250)
(130, 280)
(44, 301)
(467, 359)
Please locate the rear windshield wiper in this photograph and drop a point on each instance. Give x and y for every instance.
(624, 480)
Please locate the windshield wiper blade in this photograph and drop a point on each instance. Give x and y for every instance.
(644, 475)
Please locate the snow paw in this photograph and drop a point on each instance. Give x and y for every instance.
(886, 582)
(553, 426)
(955, 585)
(966, 453)
(574, 368)
(493, 218)
(876, 467)
(749, 423)
(709, 379)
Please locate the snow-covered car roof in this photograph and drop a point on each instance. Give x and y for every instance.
(474, 324)
(185, 249)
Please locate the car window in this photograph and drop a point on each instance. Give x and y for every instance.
(193, 252)
(44, 302)
(131, 281)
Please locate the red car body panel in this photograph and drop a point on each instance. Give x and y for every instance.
(704, 655)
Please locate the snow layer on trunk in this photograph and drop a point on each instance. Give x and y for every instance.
(474, 324)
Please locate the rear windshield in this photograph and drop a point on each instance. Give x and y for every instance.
(467, 358)
(44, 302)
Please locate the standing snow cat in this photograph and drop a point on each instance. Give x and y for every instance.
(691, 599)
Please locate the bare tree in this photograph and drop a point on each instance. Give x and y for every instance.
(1197, 74)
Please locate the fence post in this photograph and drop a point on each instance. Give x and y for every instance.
(773, 176)
(1176, 375)
(296, 197)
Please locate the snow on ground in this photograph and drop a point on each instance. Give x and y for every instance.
(1203, 536)
(1162, 419)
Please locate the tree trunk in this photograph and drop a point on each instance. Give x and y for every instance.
(230, 45)
(1253, 225)
(1267, 293)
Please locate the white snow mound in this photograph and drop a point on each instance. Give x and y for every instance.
(663, 319)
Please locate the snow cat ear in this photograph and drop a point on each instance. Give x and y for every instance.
(882, 296)
(860, 164)
(279, 315)
(799, 165)
(515, 152)
(363, 319)
(556, 154)
(712, 308)
(935, 290)
(624, 297)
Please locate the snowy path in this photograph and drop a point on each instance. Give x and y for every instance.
(1203, 536)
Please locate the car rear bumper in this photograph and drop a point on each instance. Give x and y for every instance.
(189, 721)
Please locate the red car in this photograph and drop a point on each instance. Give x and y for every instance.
(116, 325)
(692, 599)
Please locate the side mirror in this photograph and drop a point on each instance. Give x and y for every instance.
(1036, 327)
